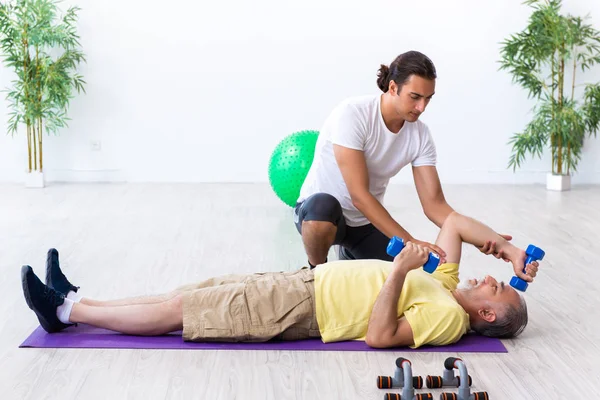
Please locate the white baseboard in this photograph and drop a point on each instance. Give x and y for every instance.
(405, 177)
(84, 176)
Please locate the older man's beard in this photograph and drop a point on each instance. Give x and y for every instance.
(468, 285)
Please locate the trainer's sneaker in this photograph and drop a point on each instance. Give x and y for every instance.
(42, 300)
(55, 279)
(344, 254)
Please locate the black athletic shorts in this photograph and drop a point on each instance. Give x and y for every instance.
(360, 242)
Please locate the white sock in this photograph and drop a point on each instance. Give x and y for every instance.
(63, 312)
(75, 296)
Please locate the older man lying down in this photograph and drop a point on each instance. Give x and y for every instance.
(385, 303)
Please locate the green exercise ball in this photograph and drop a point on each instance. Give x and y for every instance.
(289, 164)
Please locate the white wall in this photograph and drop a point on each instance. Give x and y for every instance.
(203, 90)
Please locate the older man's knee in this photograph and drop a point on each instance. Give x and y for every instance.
(175, 304)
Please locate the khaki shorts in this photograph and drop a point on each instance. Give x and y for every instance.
(251, 308)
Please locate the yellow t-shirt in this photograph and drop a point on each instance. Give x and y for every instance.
(346, 291)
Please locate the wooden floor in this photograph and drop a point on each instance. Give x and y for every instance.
(118, 240)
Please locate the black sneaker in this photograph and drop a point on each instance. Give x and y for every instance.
(42, 300)
(55, 279)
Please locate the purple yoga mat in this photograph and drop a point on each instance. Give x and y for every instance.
(88, 337)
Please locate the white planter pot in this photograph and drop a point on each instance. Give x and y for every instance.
(34, 179)
(558, 182)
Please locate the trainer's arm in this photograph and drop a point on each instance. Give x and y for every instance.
(431, 196)
(353, 166)
(385, 329)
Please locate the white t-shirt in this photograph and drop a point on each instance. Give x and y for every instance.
(357, 123)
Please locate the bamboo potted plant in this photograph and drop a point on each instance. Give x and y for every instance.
(545, 59)
(43, 51)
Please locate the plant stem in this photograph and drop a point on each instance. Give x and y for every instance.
(559, 166)
(561, 96)
(568, 158)
(40, 143)
(574, 72)
(30, 139)
(29, 147)
(552, 125)
(553, 147)
(35, 157)
(39, 98)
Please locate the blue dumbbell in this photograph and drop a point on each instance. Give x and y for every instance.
(396, 245)
(534, 254)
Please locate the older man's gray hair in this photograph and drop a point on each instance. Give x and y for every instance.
(510, 321)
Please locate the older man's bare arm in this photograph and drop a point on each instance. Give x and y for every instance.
(385, 329)
(458, 228)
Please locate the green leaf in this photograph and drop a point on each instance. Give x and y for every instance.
(46, 68)
(591, 108)
(534, 58)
